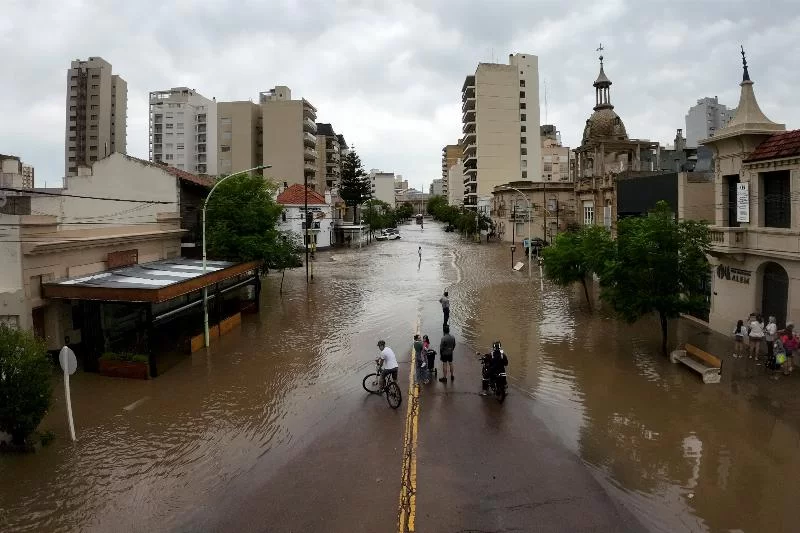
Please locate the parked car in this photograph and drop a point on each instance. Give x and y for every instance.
(389, 234)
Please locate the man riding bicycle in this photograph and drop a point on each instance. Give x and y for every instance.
(388, 362)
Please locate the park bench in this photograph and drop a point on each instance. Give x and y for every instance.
(702, 362)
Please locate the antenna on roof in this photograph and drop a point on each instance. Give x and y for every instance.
(545, 101)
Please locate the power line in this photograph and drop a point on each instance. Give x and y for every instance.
(43, 193)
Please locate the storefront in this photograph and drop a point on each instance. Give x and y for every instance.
(155, 309)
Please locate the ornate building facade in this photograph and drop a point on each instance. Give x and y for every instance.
(605, 152)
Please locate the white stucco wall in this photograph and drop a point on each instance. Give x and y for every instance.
(294, 222)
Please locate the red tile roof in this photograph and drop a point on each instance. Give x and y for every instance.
(777, 146)
(295, 195)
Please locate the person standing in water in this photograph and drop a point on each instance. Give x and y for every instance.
(445, 301)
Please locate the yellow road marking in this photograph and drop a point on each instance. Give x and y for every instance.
(408, 489)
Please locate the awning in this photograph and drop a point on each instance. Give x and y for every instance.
(149, 282)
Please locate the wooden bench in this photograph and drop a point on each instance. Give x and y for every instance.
(702, 362)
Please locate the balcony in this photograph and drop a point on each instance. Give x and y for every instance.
(309, 168)
(469, 103)
(309, 125)
(470, 139)
(468, 89)
(771, 242)
(309, 154)
(468, 116)
(468, 127)
(470, 160)
(201, 128)
(309, 139)
(309, 112)
(201, 148)
(201, 118)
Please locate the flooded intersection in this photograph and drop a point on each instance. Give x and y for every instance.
(277, 408)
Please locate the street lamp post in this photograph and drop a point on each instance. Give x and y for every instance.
(530, 243)
(205, 204)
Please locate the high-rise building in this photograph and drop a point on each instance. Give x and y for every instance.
(450, 155)
(183, 130)
(383, 186)
(97, 107)
(239, 136)
(290, 137)
(500, 105)
(437, 187)
(555, 157)
(705, 118)
(329, 157)
(455, 194)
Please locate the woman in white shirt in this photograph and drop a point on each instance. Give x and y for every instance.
(756, 337)
(771, 335)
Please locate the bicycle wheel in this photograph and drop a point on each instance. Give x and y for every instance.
(393, 395)
(372, 383)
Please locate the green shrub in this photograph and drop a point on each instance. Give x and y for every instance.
(127, 357)
(25, 383)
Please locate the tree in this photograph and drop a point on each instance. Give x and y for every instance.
(242, 224)
(576, 255)
(404, 211)
(378, 215)
(25, 387)
(354, 187)
(656, 267)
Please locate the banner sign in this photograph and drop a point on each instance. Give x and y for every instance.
(742, 202)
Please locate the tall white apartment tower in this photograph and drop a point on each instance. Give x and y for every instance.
(704, 119)
(183, 130)
(97, 108)
(500, 121)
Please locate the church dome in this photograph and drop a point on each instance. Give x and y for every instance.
(605, 124)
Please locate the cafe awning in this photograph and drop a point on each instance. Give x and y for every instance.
(154, 282)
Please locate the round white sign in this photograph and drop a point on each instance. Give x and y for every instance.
(68, 361)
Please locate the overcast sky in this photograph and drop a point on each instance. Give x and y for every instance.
(388, 74)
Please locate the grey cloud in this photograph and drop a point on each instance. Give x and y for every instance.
(388, 74)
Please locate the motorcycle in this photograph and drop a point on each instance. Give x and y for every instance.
(497, 384)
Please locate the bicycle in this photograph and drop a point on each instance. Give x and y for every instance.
(372, 384)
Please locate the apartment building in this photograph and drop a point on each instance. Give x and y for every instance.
(97, 107)
(500, 121)
(289, 131)
(705, 118)
(239, 136)
(755, 258)
(437, 187)
(383, 186)
(183, 130)
(555, 157)
(14, 173)
(455, 195)
(329, 157)
(451, 153)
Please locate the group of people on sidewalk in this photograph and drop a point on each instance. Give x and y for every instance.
(425, 357)
(781, 345)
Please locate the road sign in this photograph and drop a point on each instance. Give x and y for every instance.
(68, 364)
(68, 361)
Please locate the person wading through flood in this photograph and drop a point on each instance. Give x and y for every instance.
(446, 348)
(445, 301)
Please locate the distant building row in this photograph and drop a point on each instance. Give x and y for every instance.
(200, 135)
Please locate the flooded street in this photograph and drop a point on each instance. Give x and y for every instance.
(171, 453)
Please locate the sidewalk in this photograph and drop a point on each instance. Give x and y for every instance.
(483, 466)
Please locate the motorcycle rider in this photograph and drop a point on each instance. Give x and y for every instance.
(494, 364)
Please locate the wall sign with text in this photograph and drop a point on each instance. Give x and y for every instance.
(742, 202)
(734, 274)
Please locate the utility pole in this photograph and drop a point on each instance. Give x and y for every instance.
(306, 218)
(544, 209)
(513, 231)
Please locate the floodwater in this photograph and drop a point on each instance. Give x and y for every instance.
(682, 456)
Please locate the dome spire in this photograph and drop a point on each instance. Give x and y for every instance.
(745, 74)
(602, 86)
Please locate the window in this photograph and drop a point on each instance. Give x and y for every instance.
(169, 146)
(180, 165)
(93, 158)
(169, 114)
(523, 117)
(547, 167)
(563, 168)
(95, 86)
(522, 94)
(95, 76)
(588, 213)
(94, 97)
(524, 174)
(523, 140)
(180, 125)
(72, 128)
(94, 107)
(522, 83)
(73, 108)
(93, 127)
(777, 203)
(523, 128)
(169, 126)
(523, 105)
(225, 148)
(93, 148)
(283, 216)
(225, 121)
(226, 136)
(180, 146)
(72, 138)
(169, 157)
(180, 114)
(180, 156)
(93, 117)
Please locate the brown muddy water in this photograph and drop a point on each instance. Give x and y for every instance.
(682, 456)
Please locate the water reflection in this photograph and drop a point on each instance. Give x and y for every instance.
(682, 455)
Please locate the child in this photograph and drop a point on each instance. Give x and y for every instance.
(431, 354)
(740, 333)
(789, 341)
(779, 353)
